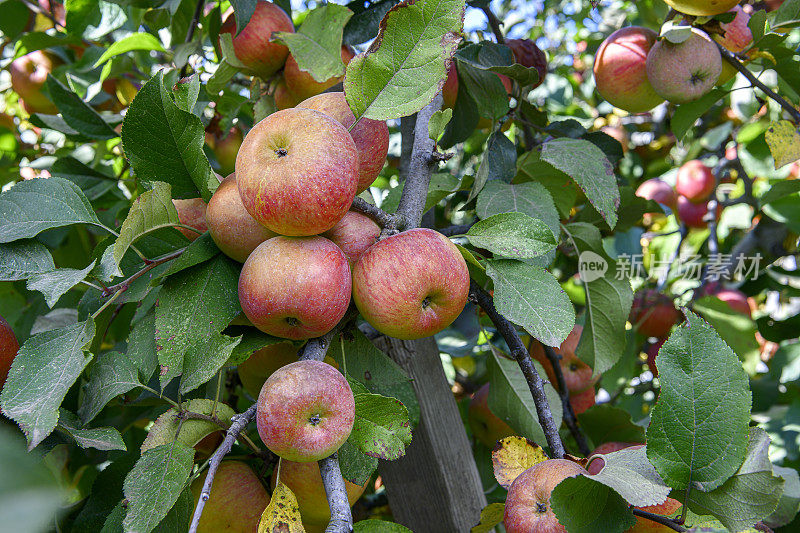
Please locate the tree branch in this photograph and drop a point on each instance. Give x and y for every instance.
(523, 358)
(382, 218)
(315, 349)
(659, 519)
(569, 413)
(457, 229)
(238, 424)
(738, 65)
(493, 23)
(420, 167)
(150, 264)
(341, 515)
(662, 281)
(190, 34)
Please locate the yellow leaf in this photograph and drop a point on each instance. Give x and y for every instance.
(491, 515)
(512, 456)
(784, 142)
(282, 515)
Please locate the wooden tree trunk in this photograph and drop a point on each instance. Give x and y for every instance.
(436, 487)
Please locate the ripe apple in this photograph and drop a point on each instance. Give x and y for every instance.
(653, 313)
(253, 46)
(305, 481)
(577, 374)
(607, 447)
(237, 499)
(234, 231)
(354, 233)
(450, 87)
(692, 214)
(695, 181)
(736, 300)
(297, 172)
(28, 76)
(305, 411)
(412, 284)
(486, 427)
(652, 353)
(643, 525)
(263, 363)
(702, 8)
(370, 136)
(295, 287)
(302, 84)
(685, 71)
(658, 191)
(284, 99)
(737, 34)
(192, 213)
(527, 54)
(619, 134)
(772, 5)
(8, 350)
(620, 72)
(528, 501)
(225, 148)
(582, 401)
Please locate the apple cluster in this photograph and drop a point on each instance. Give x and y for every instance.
(636, 70)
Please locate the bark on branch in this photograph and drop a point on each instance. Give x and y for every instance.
(569, 413)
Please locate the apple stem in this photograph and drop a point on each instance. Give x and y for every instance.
(239, 422)
(569, 413)
(523, 358)
(663, 520)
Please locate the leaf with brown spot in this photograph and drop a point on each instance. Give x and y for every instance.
(512, 456)
(784, 142)
(282, 515)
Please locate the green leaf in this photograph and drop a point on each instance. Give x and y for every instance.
(608, 302)
(142, 346)
(363, 25)
(221, 77)
(780, 190)
(438, 122)
(199, 251)
(356, 466)
(104, 439)
(134, 41)
(442, 185)
(491, 516)
(497, 58)
(789, 504)
(243, 10)
(589, 167)
(54, 284)
(193, 307)
(30, 495)
(32, 206)
(529, 198)
(172, 426)
(606, 423)
(93, 19)
(583, 505)
(44, 369)
(787, 15)
(378, 526)
(405, 66)
(381, 428)
(112, 374)
(37, 40)
(317, 44)
(736, 329)
(186, 92)
(155, 484)
(514, 235)
(151, 211)
(204, 359)
(748, 496)
(22, 259)
(76, 113)
(687, 114)
(93, 183)
(510, 398)
(375, 370)
(485, 89)
(530, 296)
(631, 475)
(699, 426)
(498, 162)
(165, 143)
(531, 168)
(106, 493)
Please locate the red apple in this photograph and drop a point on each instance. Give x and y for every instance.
(370, 136)
(8, 350)
(652, 353)
(354, 234)
(486, 427)
(607, 447)
(527, 54)
(450, 87)
(577, 374)
(736, 300)
(28, 76)
(695, 181)
(685, 71)
(305, 481)
(692, 214)
(263, 363)
(237, 500)
(653, 314)
(582, 401)
(234, 231)
(295, 287)
(528, 501)
(297, 172)
(302, 84)
(772, 5)
(620, 72)
(702, 8)
(192, 213)
(412, 284)
(284, 99)
(643, 525)
(253, 46)
(658, 191)
(737, 34)
(305, 411)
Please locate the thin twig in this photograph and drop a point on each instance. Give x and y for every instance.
(659, 519)
(457, 229)
(341, 516)
(523, 358)
(382, 218)
(738, 65)
(494, 23)
(315, 349)
(569, 413)
(151, 264)
(239, 422)
(190, 34)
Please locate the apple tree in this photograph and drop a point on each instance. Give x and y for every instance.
(385, 266)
